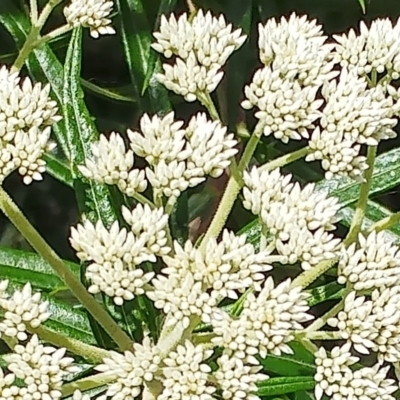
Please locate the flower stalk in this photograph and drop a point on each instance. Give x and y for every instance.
(33, 237)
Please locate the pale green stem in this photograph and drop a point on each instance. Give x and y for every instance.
(324, 335)
(203, 338)
(33, 35)
(170, 205)
(33, 11)
(320, 322)
(144, 200)
(206, 100)
(361, 207)
(286, 159)
(11, 210)
(90, 353)
(311, 347)
(53, 34)
(91, 382)
(231, 191)
(307, 277)
(385, 223)
(263, 239)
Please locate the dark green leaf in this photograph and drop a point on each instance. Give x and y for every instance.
(283, 385)
(81, 133)
(386, 176)
(301, 362)
(58, 170)
(23, 266)
(154, 62)
(331, 291)
(137, 38)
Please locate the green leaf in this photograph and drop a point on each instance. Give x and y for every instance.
(137, 38)
(362, 4)
(110, 93)
(23, 266)
(386, 176)
(58, 170)
(80, 134)
(301, 362)
(283, 385)
(154, 62)
(330, 291)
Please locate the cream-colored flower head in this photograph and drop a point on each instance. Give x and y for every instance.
(92, 14)
(201, 47)
(26, 116)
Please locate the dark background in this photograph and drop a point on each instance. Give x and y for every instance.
(51, 206)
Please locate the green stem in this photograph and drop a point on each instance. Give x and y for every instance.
(144, 200)
(310, 346)
(91, 382)
(53, 34)
(206, 100)
(320, 322)
(90, 353)
(33, 36)
(34, 11)
(307, 277)
(361, 207)
(385, 223)
(231, 191)
(324, 335)
(15, 215)
(286, 159)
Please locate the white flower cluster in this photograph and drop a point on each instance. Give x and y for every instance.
(353, 115)
(265, 324)
(194, 283)
(201, 46)
(23, 309)
(296, 62)
(374, 262)
(182, 372)
(116, 253)
(40, 368)
(178, 158)
(353, 111)
(372, 324)
(298, 220)
(131, 370)
(338, 381)
(374, 49)
(92, 14)
(26, 116)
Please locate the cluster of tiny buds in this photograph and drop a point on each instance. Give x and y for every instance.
(92, 14)
(26, 116)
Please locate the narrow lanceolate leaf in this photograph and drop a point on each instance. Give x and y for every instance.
(137, 38)
(286, 384)
(81, 133)
(301, 362)
(22, 266)
(330, 291)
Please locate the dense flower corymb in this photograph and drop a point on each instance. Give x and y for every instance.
(92, 14)
(202, 46)
(26, 116)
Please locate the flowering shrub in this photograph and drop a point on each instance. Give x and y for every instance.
(227, 316)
